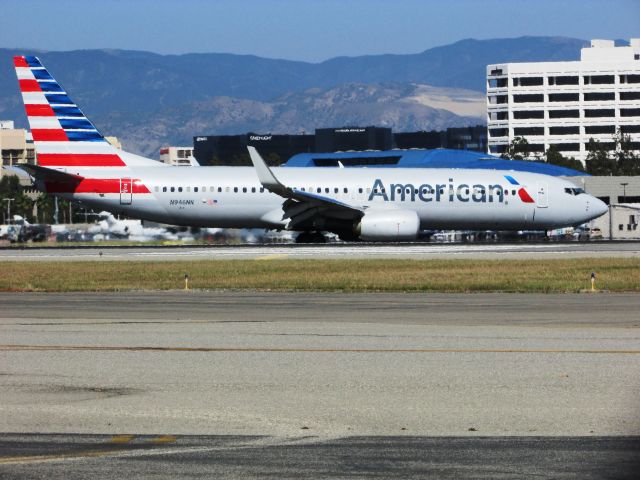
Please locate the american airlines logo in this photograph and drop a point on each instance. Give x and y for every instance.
(445, 192)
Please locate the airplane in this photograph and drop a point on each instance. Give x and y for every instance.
(108, 226)
(383, 204)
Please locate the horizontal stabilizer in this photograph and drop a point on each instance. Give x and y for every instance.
(49, 174)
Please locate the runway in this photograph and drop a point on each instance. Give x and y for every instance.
(408, 250)
(241, 384)
(406, 457)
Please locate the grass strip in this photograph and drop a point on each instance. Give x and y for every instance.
(377, 275)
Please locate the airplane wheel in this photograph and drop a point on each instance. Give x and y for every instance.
(317, 237)
(303, 237)
(311, 237)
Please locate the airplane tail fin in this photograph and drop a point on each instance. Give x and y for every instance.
(62, 134)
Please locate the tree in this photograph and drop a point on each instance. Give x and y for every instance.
(518, 149)
(554, 157)
(21, 204)
(628, 163)
(45, 204)
(622, 161)
(598, 160)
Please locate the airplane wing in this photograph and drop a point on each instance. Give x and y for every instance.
(301, 206)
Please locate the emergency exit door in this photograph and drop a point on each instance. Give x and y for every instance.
(126, 191)
(542, 197)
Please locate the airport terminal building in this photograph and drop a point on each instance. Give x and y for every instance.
(564, 104)
(277, 149)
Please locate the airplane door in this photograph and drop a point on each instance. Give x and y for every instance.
(126, 191)
(542, 198)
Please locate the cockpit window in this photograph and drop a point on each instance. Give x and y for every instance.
(574, 191)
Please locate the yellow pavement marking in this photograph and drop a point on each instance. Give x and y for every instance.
(164, 439)
(117, 439)
(309, 350)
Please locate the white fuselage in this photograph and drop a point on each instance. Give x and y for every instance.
(442, 198)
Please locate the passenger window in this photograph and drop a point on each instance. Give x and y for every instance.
(326, 190)
(164, 189)
(513, 192)
(235, 189)
(173, 189)
(336, 190)
(360, 190)
(253, 189)
(244, 189)
(319, 190)
(212, 189)
(368, 189)
(506, 192)
(157, 189)
(303, 189)
(346, 190)
(228, 189)
(195, 189)
(180, 189)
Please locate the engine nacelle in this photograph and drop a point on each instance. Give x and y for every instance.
(388, 225)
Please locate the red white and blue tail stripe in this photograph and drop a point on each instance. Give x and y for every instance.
(62, 134)
(73, 156)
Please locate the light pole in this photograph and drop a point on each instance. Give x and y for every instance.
(8, 217)
(624, 191)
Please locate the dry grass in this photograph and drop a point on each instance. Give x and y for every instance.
(613, 274)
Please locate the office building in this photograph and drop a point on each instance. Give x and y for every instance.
(566, 103)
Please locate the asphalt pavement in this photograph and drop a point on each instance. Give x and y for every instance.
(263, 384)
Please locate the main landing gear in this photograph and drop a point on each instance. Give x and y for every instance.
(310, 237)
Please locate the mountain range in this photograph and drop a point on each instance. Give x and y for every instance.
(149, 100)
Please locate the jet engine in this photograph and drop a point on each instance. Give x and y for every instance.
(388, 225)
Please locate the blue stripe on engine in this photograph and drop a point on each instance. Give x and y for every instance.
(84, 136)
(67, 112)
(32, 61)
(512, 180)
(54, 98)
(75, 123)
(50, 87)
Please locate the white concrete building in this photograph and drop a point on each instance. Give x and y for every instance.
(566, 103)
(177, 156)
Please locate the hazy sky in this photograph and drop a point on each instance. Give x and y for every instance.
(311, 30)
